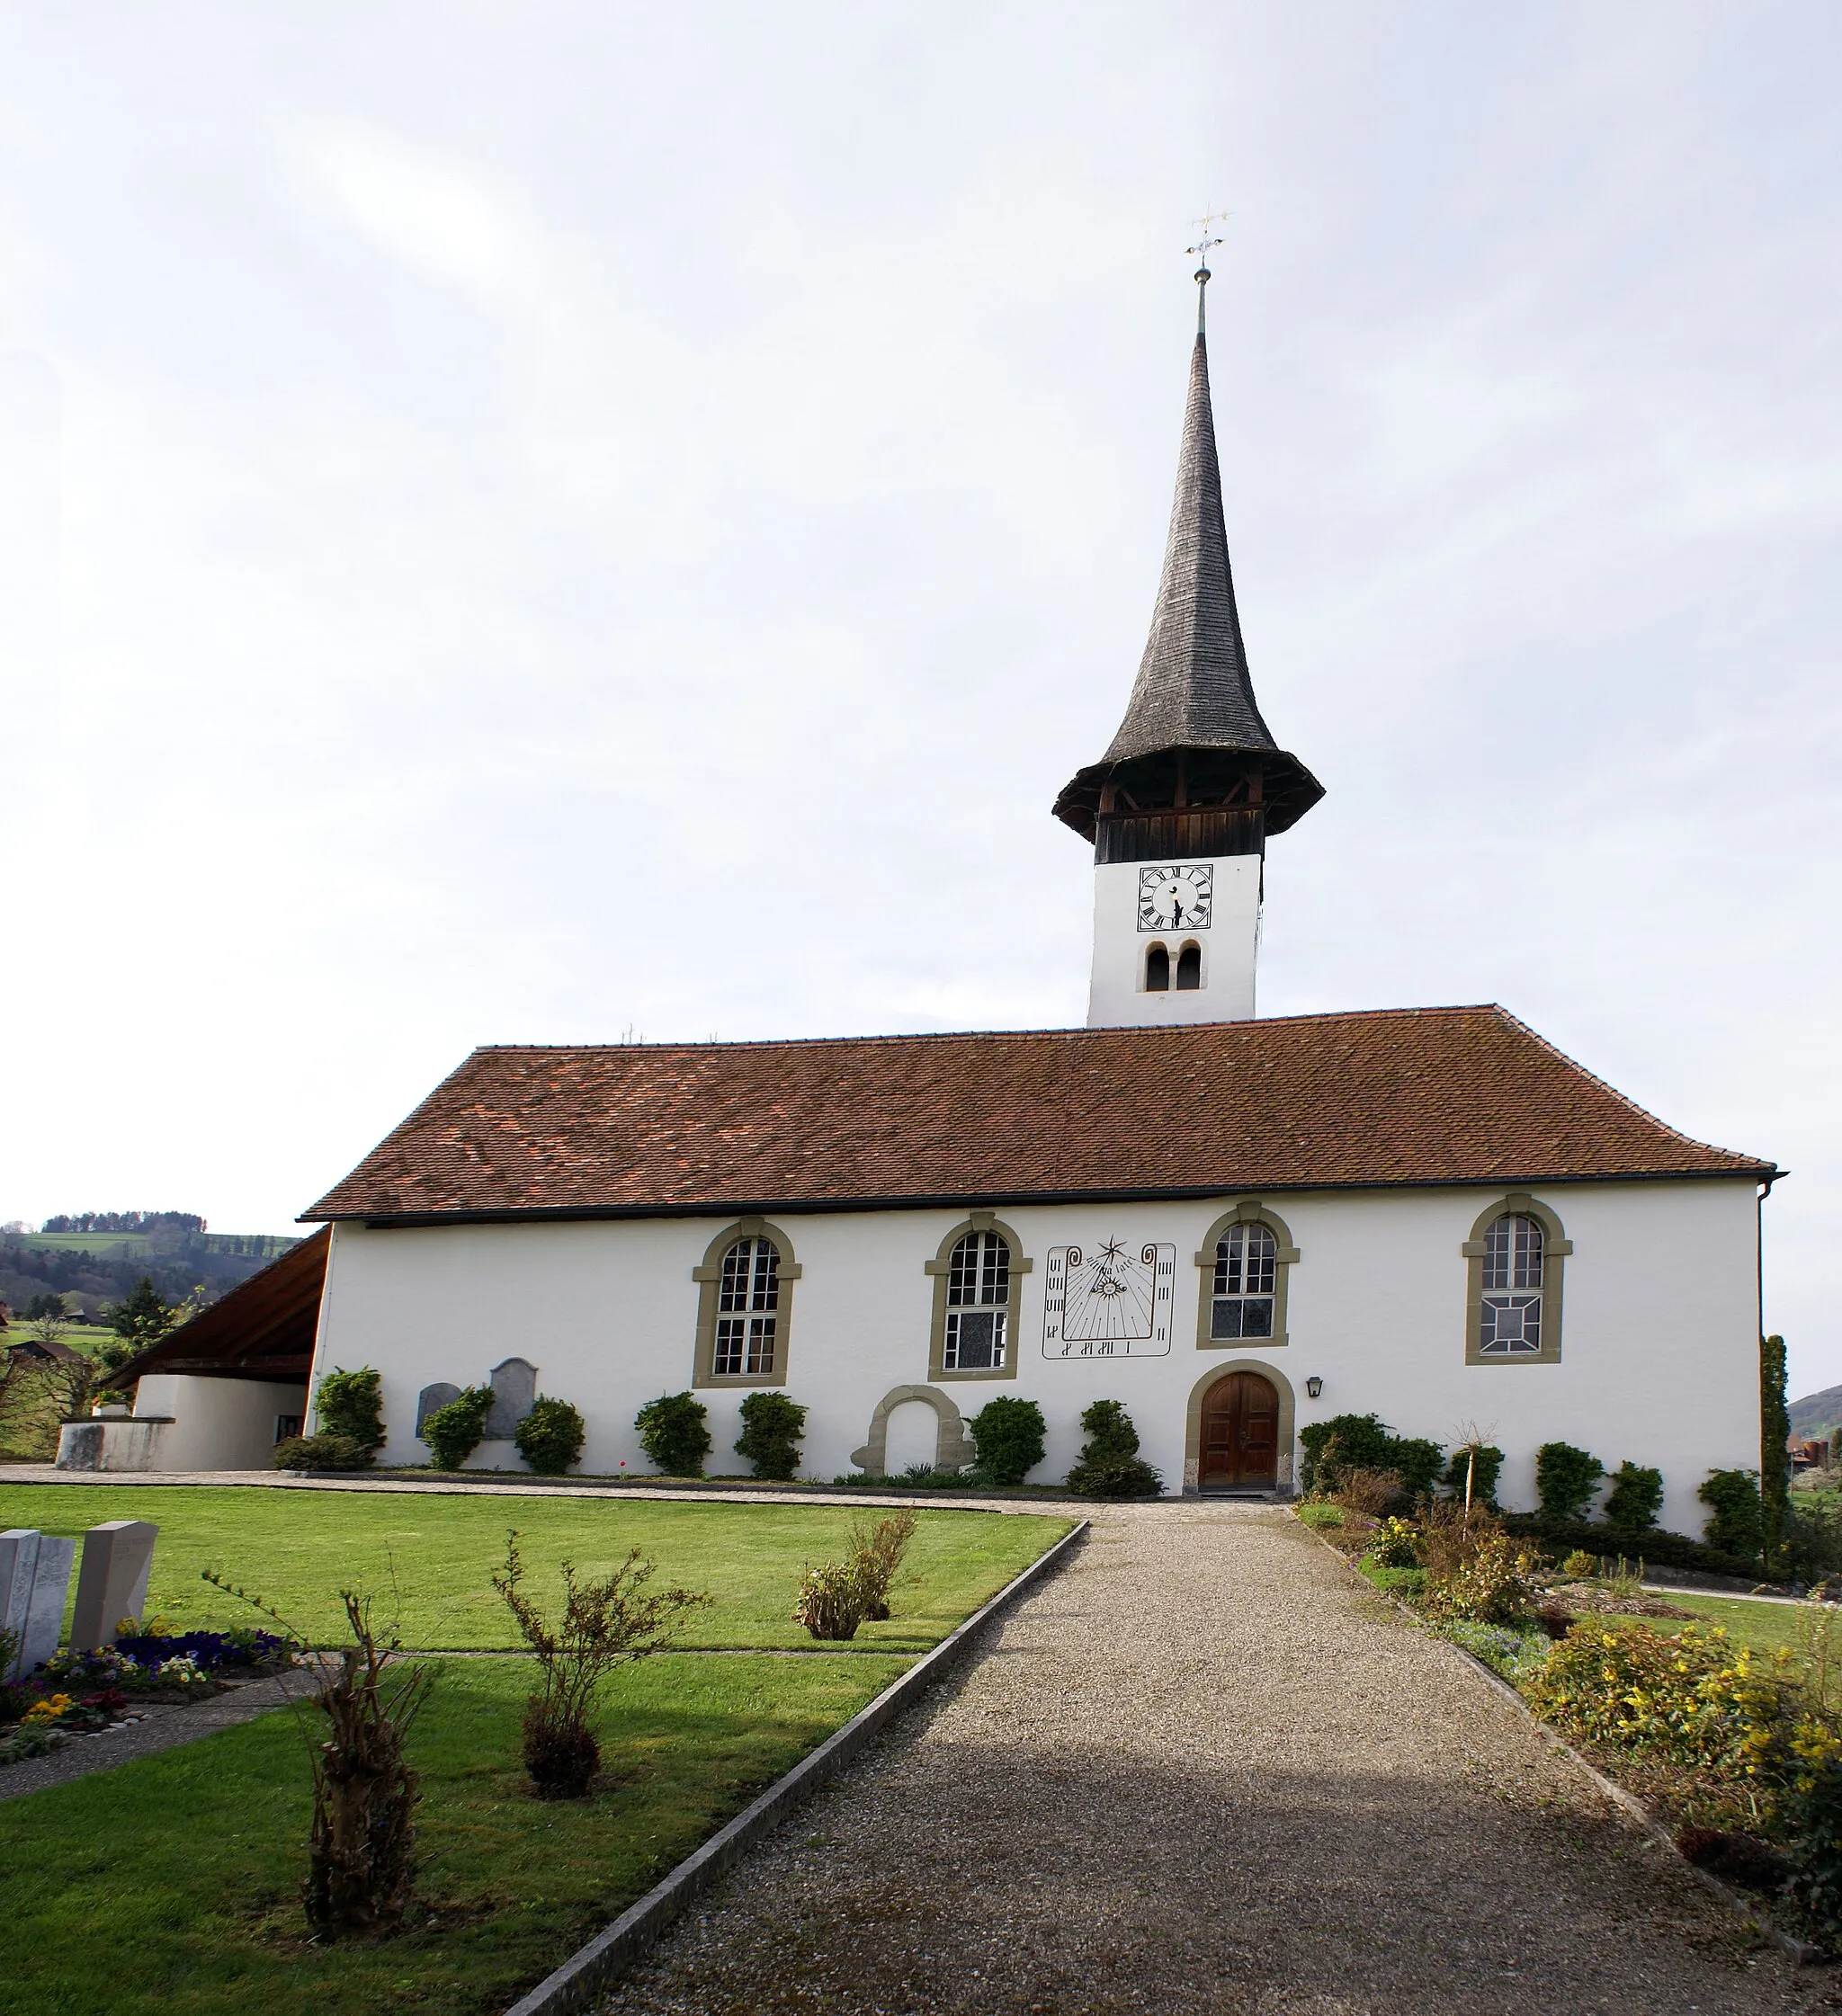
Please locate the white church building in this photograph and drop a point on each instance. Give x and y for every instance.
(1233, 1225)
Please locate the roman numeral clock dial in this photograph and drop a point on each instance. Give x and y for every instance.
(1176, 898)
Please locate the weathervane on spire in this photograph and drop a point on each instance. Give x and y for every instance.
(1201, 250)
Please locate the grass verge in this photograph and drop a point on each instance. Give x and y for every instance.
(172, 1884)
(431, 1556)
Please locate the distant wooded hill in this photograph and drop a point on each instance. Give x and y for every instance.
(1818, 1415)
(92, 1269)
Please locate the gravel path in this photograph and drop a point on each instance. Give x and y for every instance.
(1200, 1772)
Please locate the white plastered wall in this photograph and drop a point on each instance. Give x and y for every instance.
(1659, 1350)
(1117, 997)
(217, 1424)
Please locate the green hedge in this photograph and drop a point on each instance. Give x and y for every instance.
(1656, 1547)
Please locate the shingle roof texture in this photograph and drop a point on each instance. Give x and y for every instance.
(1426, 1095)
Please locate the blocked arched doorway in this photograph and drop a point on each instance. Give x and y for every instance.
(1237, 1446)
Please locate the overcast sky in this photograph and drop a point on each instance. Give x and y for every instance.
(535, 523)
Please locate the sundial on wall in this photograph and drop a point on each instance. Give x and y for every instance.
(1110, 1301)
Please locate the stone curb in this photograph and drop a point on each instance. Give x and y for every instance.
(591, 1969)
(1800, 1952)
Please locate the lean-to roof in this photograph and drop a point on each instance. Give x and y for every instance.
(1400, 1096)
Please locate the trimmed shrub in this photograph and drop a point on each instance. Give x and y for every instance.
(1565, 1481)
(1735, 1523)
(320, 1452)
(352, 1404)
(772, 1428)
(1363, 1443)
(454, 1432)
(1634, 1500)
(1110, 1465)
(1011, 1437)
(673, 1434)
(1482, 1463)
(551, 1437)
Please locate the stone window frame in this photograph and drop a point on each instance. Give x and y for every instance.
(941, 1266)
(1556, 1247)
(708, 1274)
(1250, 1211)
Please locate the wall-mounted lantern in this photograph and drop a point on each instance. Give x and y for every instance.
(1314, 1385)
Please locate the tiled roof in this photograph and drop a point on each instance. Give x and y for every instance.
(1415, 1095)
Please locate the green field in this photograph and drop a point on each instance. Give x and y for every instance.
(172, 1884)
(428, 1557)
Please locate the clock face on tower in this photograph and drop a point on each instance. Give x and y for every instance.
(1177, 897)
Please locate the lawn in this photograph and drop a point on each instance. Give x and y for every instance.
(428, 1557)
(170, 1887)
(1763, 1627)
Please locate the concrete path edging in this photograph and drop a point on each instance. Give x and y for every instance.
(1800, 1951)
(589, 1970)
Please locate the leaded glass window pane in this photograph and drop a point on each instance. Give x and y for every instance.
(974, 1340)
(1511, 1326)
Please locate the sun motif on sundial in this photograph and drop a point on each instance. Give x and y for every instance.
(1112, 1300)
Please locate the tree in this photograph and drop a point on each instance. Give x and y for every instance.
(142, 1317)
(1774, 1454)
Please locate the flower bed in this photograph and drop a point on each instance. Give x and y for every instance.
(1737, 1748)
(82, 1693)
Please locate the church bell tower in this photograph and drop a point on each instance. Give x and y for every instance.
(1179, 808)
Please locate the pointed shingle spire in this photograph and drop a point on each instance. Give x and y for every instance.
(1192, 692)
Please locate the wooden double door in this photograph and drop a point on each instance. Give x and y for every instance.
(1239, 1449)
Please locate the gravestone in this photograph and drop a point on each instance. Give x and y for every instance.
(515, 1389)
(111, 1585)
(34, 1581)
(432, 1399)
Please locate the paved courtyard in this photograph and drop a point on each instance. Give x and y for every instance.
(1200, 1772)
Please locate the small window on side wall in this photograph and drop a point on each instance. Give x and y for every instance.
(1515, 1254)
(1157, 970)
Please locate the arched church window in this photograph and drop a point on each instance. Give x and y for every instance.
(1512, 1311)
(1515, 1252)
(1189, 967)
(978, 1302)
(1247, 1271)
(1157, 969)
(978, 1274)
(1247, 1259)
(744, 1306)
(748, 1302)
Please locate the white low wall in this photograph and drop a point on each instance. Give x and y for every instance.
(217, 1423)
